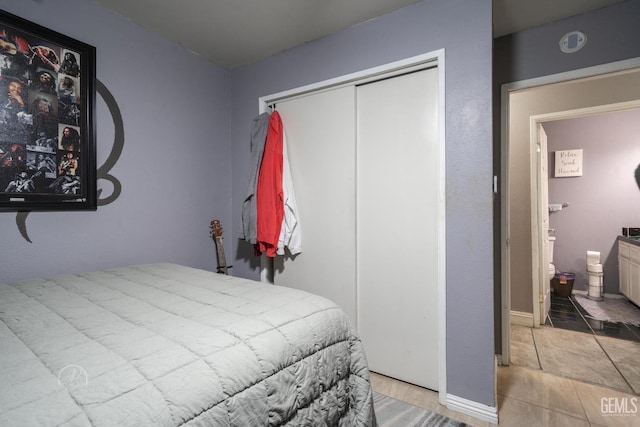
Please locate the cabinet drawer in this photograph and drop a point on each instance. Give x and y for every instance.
(634, 254)
(623, 249)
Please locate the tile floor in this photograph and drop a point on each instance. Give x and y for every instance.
(532, 398)
(600, 360)
(576, 371)
(580, 347)
(567, 313)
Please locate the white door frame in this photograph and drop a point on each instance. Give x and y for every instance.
(434, 58)
(504, 180)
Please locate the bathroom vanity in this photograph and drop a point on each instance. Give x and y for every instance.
(629, 267)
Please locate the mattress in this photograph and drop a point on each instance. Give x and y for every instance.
(169, 345)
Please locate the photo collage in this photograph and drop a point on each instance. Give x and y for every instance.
(40, 116)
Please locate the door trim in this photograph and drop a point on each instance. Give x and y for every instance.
(539, 234)
(506, 90)
(431, 59)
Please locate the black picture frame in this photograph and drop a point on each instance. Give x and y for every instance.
(47, 119)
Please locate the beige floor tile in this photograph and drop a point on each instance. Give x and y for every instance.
(620, 350)
(523, 354)
(591, 366)
(412, 394)
(421, 397)
(520, 383)
(601, 406)
(516, 413)
(521, 334)
(626, 357)
(381, 384)
(560, 396)
(631, 373)
(561, 339)
(559, 419)
(540, 389)
(398, 389)
(458, 416)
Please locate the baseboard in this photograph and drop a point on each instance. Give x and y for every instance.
(474, 409)
(521, 318)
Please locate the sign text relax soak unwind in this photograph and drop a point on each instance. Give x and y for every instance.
(568, 163)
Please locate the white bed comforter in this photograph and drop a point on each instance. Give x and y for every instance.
(168, 345)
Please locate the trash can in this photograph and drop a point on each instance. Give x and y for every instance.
(562, 283)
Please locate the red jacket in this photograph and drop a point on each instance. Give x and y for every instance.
(269, 193)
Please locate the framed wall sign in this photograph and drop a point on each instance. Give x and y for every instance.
(568, 163)
(47, 122)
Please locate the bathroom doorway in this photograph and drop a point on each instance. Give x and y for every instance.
(605, 137)
(525, 104)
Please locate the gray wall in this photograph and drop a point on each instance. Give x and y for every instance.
(175, 170)
(464, 29)
(612, 36)
(603, 200)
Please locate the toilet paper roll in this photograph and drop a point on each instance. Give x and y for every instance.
(593, 257)
(594, 268)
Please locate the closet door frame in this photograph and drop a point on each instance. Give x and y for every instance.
(427, 60)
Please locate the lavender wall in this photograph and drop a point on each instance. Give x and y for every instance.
(604, 199)
(180, 166)
(464, 29)
(174, 169)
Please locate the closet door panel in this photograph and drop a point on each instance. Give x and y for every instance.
(320, 132)
(397, 225)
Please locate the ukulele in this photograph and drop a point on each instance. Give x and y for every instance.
(216, 234)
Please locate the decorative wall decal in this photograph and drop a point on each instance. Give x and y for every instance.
(638, 176)
(21, 222)
(116, 149)
(103, 171)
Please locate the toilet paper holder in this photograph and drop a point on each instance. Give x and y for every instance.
(555, 207)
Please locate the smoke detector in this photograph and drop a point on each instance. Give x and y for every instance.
(573, 41)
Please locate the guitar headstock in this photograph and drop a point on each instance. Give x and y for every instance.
(216, 228)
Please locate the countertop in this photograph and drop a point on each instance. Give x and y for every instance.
(634, 240)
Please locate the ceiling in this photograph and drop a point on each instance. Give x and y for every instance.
(233, 33)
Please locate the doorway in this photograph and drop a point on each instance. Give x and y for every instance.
(575, 343)
(523, 105)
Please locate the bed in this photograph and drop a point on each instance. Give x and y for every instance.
(169, 345)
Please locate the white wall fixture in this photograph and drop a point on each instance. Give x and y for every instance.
(568, 163)
(572, 41)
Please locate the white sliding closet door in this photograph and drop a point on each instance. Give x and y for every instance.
(365, 166)
(397, 225)
(320, 132)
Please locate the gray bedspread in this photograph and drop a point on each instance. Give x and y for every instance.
(168, 345)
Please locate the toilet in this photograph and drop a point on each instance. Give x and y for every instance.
(552, 268)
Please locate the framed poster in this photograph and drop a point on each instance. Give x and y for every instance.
(47, 122)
